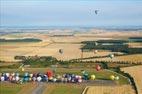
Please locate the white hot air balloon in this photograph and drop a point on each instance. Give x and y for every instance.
(39, 79)
(111, 56)
(17, 78)
(2, 78)
(7, 74)
(117, 78)
(79, 80)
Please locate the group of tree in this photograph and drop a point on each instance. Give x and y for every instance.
(113, 45)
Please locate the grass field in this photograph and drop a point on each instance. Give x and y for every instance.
(11, 88)
(64, 89)
(27, 88)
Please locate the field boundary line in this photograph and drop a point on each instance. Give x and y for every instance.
(85, 90)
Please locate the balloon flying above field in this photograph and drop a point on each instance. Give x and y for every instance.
(61, 51)
(95, 51)
(96, 12)
(111, 56)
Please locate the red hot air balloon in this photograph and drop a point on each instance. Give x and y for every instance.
(98, 67)
(49, 73)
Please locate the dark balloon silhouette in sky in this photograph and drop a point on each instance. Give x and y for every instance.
(96, 12)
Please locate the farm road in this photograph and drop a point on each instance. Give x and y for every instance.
(39, 89)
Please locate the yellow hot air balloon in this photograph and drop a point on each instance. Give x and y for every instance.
(112, 77)
(22, 69)
(93, 77)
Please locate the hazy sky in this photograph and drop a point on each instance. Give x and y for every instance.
(70, 13)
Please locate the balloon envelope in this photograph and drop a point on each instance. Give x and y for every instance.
(49, 74)
(111, 56)
(98, 67)
(39, 79)
(93, 77)
(60, 51)
(112, 77)
(2, 78)
(22, 69)
(17, 78)
(79, 80)
(95, 51)
(117, 77)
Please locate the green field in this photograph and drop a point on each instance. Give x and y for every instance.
(64, 89)
(7, 88)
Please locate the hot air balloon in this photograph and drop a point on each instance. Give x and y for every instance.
(22, 69)
(54, 79)
(2, 78)
(96, 12)
(98, 67)
(95, 51)
(79, 80)
(49, 74)
(112, 77)
(93, 77)
(31, 75)
(17, 78)
(61, 51)
(117, 78)
(39, 79)
(111, 56)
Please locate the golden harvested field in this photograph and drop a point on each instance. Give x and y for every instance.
(127, 58)
(71, 46)
(125, 89)
(136, 73)
(45, 48)
(133, 45)
(9, 50)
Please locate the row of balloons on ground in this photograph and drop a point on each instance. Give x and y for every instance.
(50, 77)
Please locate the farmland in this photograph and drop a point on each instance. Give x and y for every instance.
(110, 90)
(72, 60)
(135, 72)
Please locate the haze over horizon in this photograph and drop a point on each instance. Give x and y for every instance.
(18, 13)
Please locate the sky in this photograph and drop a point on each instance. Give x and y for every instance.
(70, 13)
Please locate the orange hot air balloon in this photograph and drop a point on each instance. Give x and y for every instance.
(98, 67)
